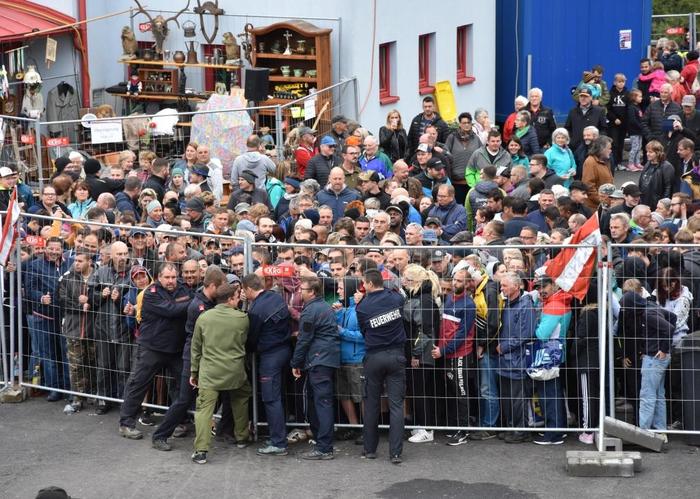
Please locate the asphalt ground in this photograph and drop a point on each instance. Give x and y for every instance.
(84, 454)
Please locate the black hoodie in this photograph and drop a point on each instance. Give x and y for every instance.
(645, 327)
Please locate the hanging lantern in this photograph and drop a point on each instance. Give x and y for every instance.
(189, 29)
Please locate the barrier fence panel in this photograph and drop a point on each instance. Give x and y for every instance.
(481, 384)
(20, 147)
(80, 287)
(655, 306)
(316, 111)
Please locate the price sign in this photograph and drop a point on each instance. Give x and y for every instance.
(26, 138)
(678, 30)
(278, 271)
(57, 142)
(36, 241)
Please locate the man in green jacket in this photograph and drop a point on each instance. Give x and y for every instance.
(218, 358)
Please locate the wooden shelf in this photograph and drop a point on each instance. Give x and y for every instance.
(297, 57)
(162, 97)
(183, 65)
(293, 79)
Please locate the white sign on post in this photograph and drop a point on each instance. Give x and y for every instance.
(310, 108)
(625, 39)
(104, 132)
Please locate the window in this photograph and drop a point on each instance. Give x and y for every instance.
(464, 55)
(387, 73)
(426, 63)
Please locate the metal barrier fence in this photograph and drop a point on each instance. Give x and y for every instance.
(223, 124)
(442, 394)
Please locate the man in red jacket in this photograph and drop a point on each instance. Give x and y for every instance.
(305, 150)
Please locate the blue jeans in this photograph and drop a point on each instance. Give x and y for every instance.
(652, 394)
(270, 376)
(488, 389)
(319, 391)
(50, 351)
(552, 403)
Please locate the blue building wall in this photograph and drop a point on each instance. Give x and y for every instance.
(564, 39)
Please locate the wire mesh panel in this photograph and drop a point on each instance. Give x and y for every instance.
(488, 346)
(20, 147)
(655, 305)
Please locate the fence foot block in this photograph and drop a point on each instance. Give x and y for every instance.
(634, 434)
(594, 463)
(612, 443)
(13, 395)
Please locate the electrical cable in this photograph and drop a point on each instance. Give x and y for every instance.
(371, 68)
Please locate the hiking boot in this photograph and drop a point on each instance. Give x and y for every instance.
(130, 433)
(180, 431)
(161, 444)
(483, 435)
(458, 438)
(199, 457)
(271, 450)
(317, 455)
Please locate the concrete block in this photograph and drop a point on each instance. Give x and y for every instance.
(611, 443)
(634, 434)
(599, 464)
(636, 457)
(13, 395)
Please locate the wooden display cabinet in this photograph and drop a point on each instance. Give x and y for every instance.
(311, 57)
(158, 81)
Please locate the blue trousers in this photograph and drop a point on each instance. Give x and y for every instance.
(489, 403)
(270, 377)
(319, 393)
(49, 350)
(552, 403)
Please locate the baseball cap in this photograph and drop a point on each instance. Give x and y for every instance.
(584, 90)
(503, 171)
(435, 163)
(433, 221)
(294, 182)
(607, 189)
(328, 141)
(241, 208)
(369, 176)
(424, 148)
(437, 256)
(688, 100)
(617, 194)
(195, 204)
(305, 129)
(462, 237)
(138, 269)
(543, 281)
(394, 208)
(135, 231)
(631, 190)
(6, 172)
(430, 236)
(202, 170)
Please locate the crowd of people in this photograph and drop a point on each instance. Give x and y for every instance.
(142, 268)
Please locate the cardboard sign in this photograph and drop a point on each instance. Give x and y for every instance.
(57, 142)
(104, 132)
(36, 241)
(278, 271)
(143, 27)
(26, 138)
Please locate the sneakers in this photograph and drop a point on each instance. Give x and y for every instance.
(130, 433)
(199, 457)
(458, 438)
(161, 444)
(102, 408)
(635, 168)
(271, 450)
(396, 459)
(146, 419)
(517, 437)
(483, 435)
(676, 425)
(242, 444)
(296, 435)
(369, 455)
(421, 436)
(317, 455)
(586, 438)
(558, 440)
(180, 431)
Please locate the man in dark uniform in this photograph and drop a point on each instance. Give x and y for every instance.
(160, 345)
(270, 337)
(318, 353)
(379, 318)
(204, 299)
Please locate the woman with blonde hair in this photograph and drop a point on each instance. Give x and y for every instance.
(421, 316)
(392, 136)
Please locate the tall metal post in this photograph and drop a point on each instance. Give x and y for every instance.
(248, 268)
(279, 137)
(602, 310)
(6, 373)
(356, 98)
(611, 339)
(18, 292)
(39, 159)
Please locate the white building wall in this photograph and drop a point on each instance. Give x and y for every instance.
(351, 44)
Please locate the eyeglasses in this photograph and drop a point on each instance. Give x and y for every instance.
(305, 289)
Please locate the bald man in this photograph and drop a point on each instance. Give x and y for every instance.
(336, 194)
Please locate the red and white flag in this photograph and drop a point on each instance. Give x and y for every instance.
(10, 228)
(572, 268)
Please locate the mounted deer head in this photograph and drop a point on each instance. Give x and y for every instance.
(159, 25)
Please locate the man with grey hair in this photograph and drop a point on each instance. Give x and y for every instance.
(414, 234)
(519, 179)
(380, 226)
(590, 134)
(542, 117)
(372, 159)
(641, 218)
(654, 121)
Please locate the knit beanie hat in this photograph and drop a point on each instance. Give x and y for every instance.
(153, 205)
(92, 166)
(176, 172)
